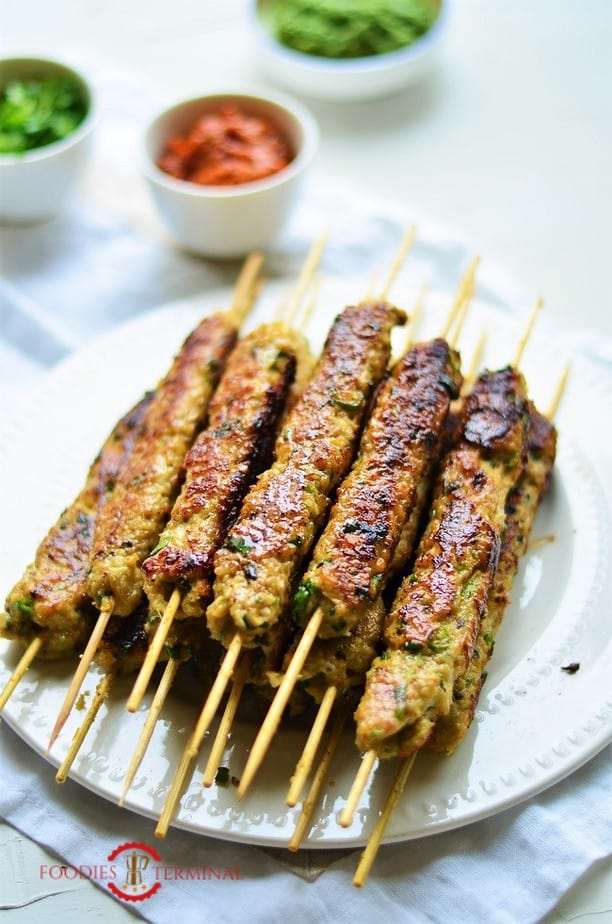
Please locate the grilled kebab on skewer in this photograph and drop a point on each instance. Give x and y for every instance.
(279, 520)
(521, 508)
(148, 483)
(451, 728)
(435, 619)
(227, 457)
(50, 602)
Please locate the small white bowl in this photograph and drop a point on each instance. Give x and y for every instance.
(229, 221)
(37, 184)
(347, 78)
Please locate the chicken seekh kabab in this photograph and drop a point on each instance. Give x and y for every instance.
(227, 457)
(521, 508)
(434, 622)
(49, 609)
(129, 525)
(450, 728)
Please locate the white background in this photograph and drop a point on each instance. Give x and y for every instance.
(511, 141)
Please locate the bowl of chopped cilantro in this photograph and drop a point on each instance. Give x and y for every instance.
(348, 49)
(46, 121)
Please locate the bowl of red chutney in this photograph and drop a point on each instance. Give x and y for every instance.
(226, 170)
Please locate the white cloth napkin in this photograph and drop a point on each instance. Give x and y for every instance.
(108, 260)
(510, 869)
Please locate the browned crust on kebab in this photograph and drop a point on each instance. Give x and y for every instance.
(52, 594)
(284, 511)
(521, 508)
(130, 524)
(236, 447)
(435, 620)
(397, 454)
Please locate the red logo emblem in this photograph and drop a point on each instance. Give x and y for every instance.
(136, 885)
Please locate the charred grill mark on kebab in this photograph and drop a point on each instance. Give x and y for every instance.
(49, 605)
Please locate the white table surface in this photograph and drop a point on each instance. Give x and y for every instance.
(511, 141)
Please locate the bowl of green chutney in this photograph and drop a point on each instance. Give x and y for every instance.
(47, 116)
(348, 49)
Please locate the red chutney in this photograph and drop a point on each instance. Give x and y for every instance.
(225, 148)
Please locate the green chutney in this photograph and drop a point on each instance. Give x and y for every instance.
(349, 28)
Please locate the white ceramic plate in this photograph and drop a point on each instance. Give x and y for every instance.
(535, 723)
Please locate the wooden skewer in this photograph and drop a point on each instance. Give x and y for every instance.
(458, 314)
(475, 363)
(102, 691)
(86, 658)
(224, 675)
(272, 720)
(368, 855)
(359, 784)
(463, 288)
(312, 261)
(304, 319)
(415, 317)
(369, 759)
(148, 728)
(246, 287)
(558, 394)
(154, 651)
(245, 293)
(24, 664)
(311, 800)
(464, 310)
(527, 332)
(175, 793)
(241, 303)
(398, 261)
(227, 719)
(242, 674)
(304, 764)
(203, 723)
